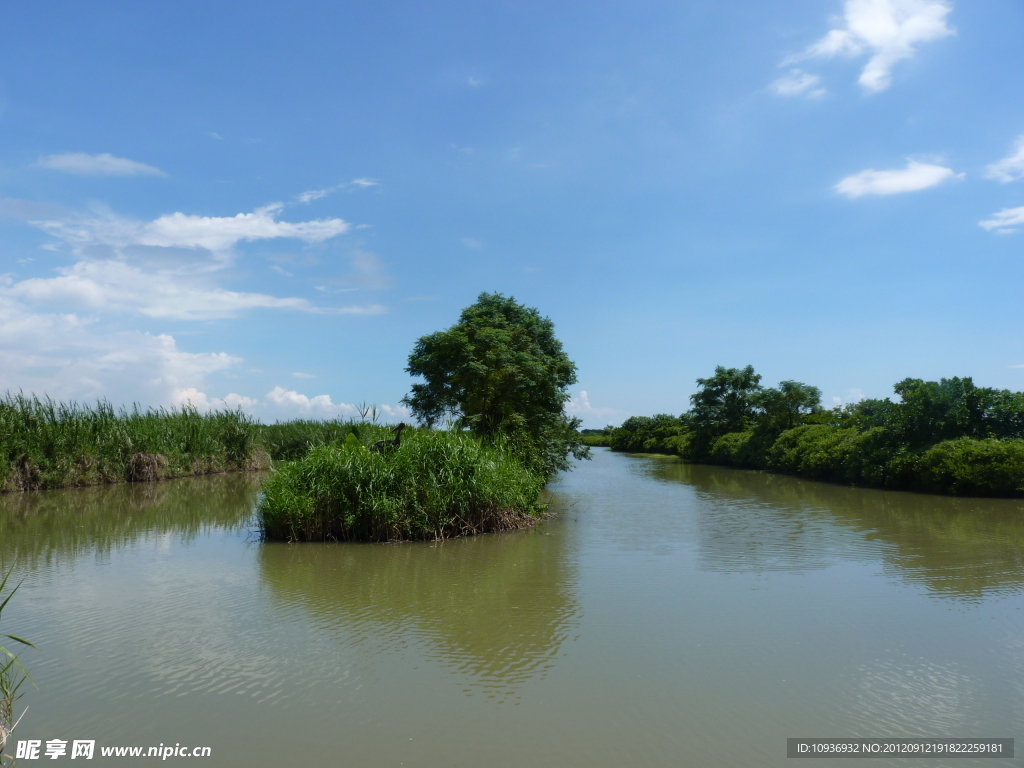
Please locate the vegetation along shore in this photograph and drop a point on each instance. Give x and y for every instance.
(490, 403)
(491, 399)
(947, 437)
(497, 381)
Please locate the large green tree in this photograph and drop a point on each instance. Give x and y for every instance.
(723, 403)
(501, 372)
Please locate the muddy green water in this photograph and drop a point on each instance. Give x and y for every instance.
(667, 615)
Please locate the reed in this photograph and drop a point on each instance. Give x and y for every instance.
(436, 485)
(46, 444)
(290, 440)
(12, 674)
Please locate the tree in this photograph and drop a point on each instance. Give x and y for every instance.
(501, 372)
(785, 407)
(724, 403)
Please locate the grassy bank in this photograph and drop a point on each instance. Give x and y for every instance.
(45, 444)
(435, 485)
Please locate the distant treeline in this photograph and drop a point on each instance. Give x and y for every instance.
(948, 436)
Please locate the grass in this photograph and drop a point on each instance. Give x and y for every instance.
(330, 485)
(290, 440)
(45, 444)
(434, 486)
(12, 674)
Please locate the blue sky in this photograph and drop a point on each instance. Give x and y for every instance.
(266, 204)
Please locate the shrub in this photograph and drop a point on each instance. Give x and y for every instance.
(731, 449)
(966, 467)
(679, 445)
(649, 434)
(818, 451)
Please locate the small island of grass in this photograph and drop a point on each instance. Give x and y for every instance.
(434, 485)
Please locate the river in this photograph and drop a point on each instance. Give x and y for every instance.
(665, 615)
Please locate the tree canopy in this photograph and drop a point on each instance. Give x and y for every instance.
(946, 436)
(499, 371)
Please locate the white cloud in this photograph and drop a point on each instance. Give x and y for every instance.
(799, 83)
(886, 30)
(114, 286)
(1011, 167)
(580, 406)
(320, 405)
(217, 234)
(394, 413)
(315, 194)
(291, 403)
(234, 401)
(1004, 220)
(69, 357)
(164, 268)
(853, 395)
(914, 177)
(200, 400)
(97, 165)
(58, 333)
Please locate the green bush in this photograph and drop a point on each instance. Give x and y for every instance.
(731, 449)
(646, 434)
(679, 445)
(435, 485)
(818, 451)
(966, 467)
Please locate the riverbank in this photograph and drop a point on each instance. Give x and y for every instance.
(335, 481)
(960, 467)
(46, 445)
(947, 437)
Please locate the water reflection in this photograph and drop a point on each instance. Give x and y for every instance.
(42, 527)
(963, 548)
(498, 607)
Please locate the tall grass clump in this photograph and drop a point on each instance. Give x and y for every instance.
(436, 485)
(46, 444)
(12, 674)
